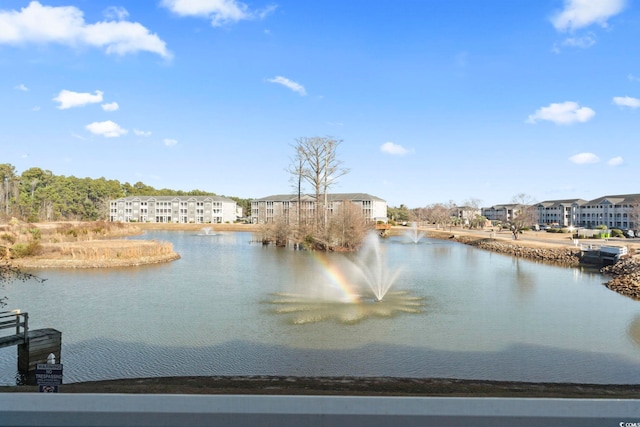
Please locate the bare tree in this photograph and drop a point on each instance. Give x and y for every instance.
(321, 168)
(348, 226)
(296, 169)
(9, 273)
(634, 215)
(523, 214)
(438, 214)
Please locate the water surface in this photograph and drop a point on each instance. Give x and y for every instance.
(216, 312)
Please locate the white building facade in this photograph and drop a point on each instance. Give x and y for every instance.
(501, 212)
(615, 211)
(285, 207)
(173, 209)
(618, 211)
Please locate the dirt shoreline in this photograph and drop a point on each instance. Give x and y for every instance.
(345, 386)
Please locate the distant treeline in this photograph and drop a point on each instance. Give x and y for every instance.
(39, 195)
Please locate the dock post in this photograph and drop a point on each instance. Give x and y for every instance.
(39, 344)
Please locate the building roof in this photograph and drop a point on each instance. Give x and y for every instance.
(330, 196)
(177, 198)
(616, 199)
(563, 202)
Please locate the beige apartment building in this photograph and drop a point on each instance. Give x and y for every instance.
(614, 211)
(285, 206)
(173, 209)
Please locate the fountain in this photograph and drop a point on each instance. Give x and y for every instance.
(206, 231)
(371, 266)
(413, 234)
(346, 288)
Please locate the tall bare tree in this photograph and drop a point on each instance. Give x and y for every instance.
(321, 169)
(634, 215)
(296, 169)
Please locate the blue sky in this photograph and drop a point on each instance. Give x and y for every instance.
(435, 101)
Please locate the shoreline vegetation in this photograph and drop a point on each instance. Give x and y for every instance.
(78, 244)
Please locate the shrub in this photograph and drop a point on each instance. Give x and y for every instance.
(35, 232)
(616, 233)
(8, 238)
(21, 250)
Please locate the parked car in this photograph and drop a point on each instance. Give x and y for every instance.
(629, 234)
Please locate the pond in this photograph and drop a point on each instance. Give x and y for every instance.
(233, 307)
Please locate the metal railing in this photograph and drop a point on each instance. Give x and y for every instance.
(18, 322)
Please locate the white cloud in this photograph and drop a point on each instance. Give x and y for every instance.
(113, 106)
(22, 88)
(584, 158)
(220, 12)
(142, 133)
(116, 13)
(296, 87)
(107, 129)
(563, 113)
(615, 161)
(69, 99)
(626, 101)
(65, 25)
(395, 149)
(633, 78)
(583, 42)
(36, 108)
(583, 13)
(169, 142)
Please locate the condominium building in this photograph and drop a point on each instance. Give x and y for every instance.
(618, 211)
(176, 209)
(285, 206)
(615, 211)
(501, 212)
(565, 213)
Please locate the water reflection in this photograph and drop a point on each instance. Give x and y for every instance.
(634, 330)
(303, 309)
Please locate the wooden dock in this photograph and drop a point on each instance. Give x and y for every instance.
(34, 347)
(18, 323)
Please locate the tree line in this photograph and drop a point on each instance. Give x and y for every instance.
(37, 195)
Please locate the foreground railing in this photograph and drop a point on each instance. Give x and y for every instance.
(31, 409)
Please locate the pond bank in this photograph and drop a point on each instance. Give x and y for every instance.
(625, 277)
(345, 386)
(625, 274)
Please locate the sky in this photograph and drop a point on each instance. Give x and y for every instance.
(433, 100)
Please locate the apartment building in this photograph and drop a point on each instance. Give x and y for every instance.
(175, 209)
(614, 211)
(501, 212)
(285, 206)
(565, 213)
(617, 211)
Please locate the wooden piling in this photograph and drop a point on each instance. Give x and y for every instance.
(39, 345)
